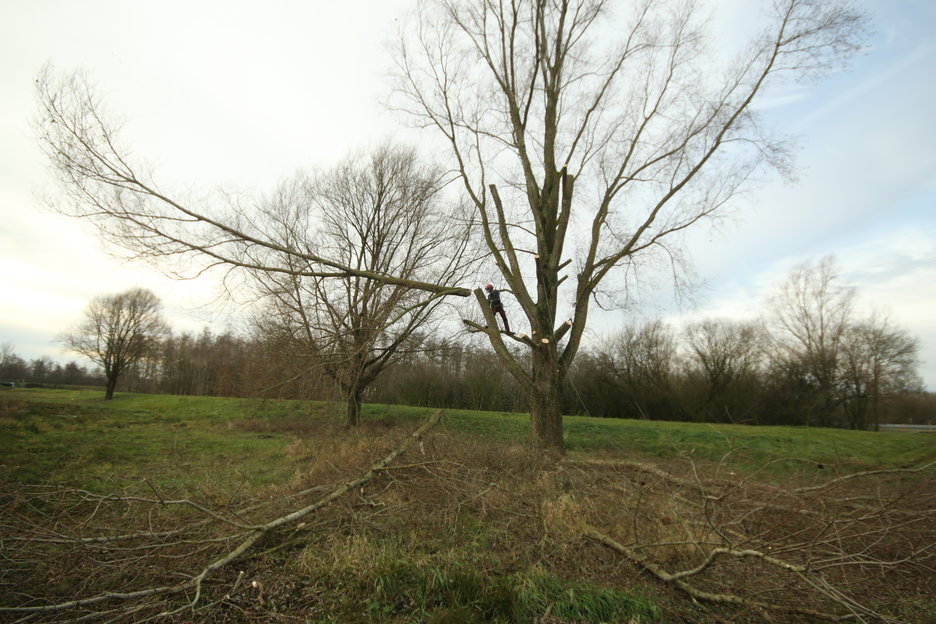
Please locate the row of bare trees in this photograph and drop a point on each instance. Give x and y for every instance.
(811, 360)
(651, 371)
(44, 370)
(585, 138)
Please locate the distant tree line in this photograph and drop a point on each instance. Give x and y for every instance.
(45, 370)
(715, 370)
(810, 360)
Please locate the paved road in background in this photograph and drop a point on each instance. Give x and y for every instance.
(909, 427)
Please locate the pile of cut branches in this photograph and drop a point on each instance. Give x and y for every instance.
(856, 547)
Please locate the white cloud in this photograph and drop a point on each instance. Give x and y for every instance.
(894, 273)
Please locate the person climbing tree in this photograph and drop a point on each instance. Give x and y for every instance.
(493, 296)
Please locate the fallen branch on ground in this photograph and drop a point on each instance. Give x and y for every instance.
(816, 551)
(246, 541)
(678, 578)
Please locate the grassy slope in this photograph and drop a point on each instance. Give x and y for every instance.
(176, 443)
(214, 449)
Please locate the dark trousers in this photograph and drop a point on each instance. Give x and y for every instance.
(499, 309)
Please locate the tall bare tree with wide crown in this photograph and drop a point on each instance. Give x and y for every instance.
(589, 134)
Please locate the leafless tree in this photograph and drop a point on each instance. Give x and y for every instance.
(117, 330)
(567, 121)
(849, 364)
(811, 312)
(725, 352)
(643, 360)
(12, 366)
(878, 360)
(7, 352)
(379, 214)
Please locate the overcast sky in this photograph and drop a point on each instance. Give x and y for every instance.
(238, 95)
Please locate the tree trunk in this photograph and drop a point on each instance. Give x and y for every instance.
(545, 406)
(353, 403)
(109, 388)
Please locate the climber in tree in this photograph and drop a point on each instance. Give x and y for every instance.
(496, 305)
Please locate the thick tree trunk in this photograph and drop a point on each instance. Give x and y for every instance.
(545, 407)
(353, 406)
(109, 388)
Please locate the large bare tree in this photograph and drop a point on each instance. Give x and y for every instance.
(566, 122)
(589, 135)
(380, 213)
(116, 332)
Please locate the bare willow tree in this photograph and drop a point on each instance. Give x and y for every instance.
(588, 140)
(117, 331)
(380, 214)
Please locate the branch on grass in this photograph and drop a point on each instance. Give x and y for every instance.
(808, 549)
(623, 464)
(677, 579)
(248, 539)
(867, 473)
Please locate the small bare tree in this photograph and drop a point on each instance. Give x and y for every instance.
(117, 330)
(878, 360)
(724, 352)
(379, 214)
(643, 360)
(811, 312)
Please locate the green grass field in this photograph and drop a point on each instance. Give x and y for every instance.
(75, 437)
(473, 527)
